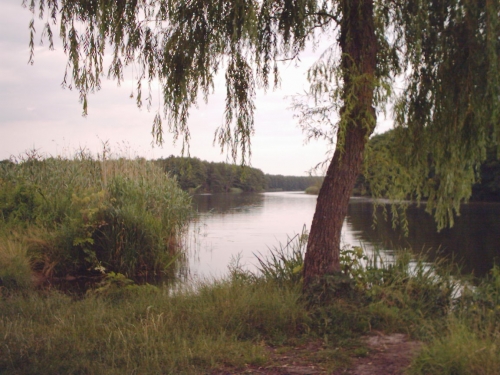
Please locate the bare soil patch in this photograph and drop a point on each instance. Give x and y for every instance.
(387, 355)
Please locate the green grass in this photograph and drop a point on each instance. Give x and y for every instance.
(147, 330)
(120, 327)
(93, 214)
(469, 343)
(15, 268)
(462, 350)
(123, 328)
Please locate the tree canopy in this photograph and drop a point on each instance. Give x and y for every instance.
(435, 62)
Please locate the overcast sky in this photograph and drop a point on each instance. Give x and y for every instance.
(35, 112)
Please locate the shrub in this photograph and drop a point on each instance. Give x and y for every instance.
(313, 190)
(95, 214)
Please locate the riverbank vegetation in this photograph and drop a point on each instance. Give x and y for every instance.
(201, 176)
(86, 216)
(105, 221)
(238, 323)
(292, 183)
(380, 169)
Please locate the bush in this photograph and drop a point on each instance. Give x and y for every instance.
(94, 214)
(313, 190)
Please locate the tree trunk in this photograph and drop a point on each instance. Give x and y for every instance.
(358, 43)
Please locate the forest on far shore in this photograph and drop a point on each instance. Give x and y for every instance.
(201, 176)
(195, 175)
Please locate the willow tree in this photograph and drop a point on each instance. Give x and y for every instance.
(445, 53)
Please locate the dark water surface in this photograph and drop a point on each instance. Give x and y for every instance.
(234, 226)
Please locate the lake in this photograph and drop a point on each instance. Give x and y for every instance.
(231, 226)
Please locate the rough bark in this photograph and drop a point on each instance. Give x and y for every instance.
(359, 51)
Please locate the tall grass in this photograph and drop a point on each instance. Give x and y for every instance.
(125, 328)
(470, 342)
(284, 262)
(461, 350)
(93, 213)
(15, 268)
(148, 330)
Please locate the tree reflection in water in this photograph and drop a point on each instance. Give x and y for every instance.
(474, 240)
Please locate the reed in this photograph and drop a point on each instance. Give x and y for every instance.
(284, 262)
(94, 213)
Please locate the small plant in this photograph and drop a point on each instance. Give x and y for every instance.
(284, 264)
(116, 285)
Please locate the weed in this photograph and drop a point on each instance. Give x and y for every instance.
(284, 263)
(461, 351)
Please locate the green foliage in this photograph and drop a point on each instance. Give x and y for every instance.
(447, 117)
(313, 190)
(18, 202)
(117, 286)
(383, 173)
(122, 327)
(488, 186)
(95, 215)
(461, 351)
(195, 175)
(284, 264)
(370, 293)
(188, 330)
(292, 183)
(470, 343)
(385, 176)
(15, 268)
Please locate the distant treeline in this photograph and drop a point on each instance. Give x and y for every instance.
(197, 175)
(291, 183)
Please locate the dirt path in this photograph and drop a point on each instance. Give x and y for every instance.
(387, 355)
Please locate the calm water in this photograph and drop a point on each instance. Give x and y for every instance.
(234, 226)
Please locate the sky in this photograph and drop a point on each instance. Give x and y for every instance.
(37, 113)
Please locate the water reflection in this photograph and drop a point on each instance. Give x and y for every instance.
(241, 225)
(227, 203)
(473, 241)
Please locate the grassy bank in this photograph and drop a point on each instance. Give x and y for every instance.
(123, 328)
(146, 330)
